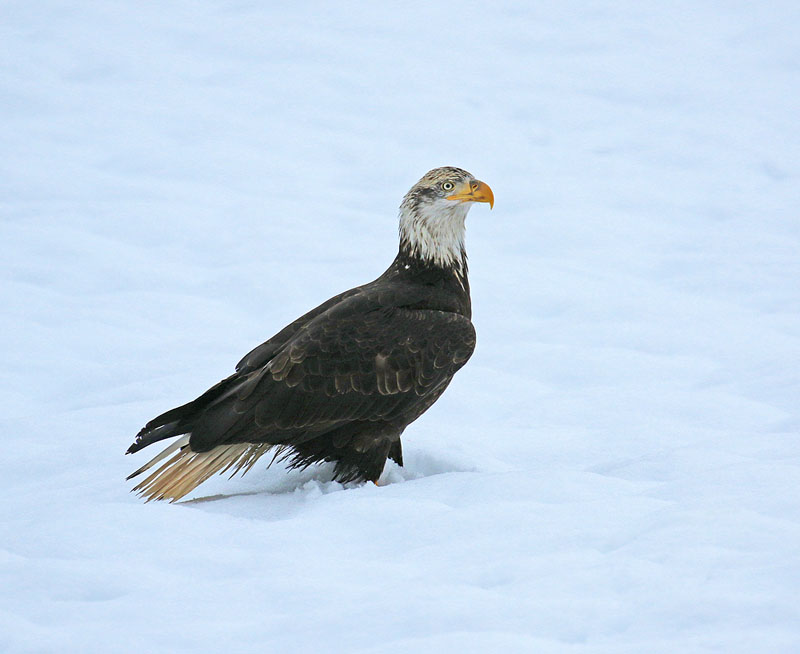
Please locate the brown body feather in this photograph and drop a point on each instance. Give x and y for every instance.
(339, 384)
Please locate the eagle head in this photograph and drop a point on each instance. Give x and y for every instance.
(433, 214)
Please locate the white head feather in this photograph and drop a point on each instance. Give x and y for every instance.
(432, 227)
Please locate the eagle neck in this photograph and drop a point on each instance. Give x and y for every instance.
(409, 263)
(446, 286)
(433, 230)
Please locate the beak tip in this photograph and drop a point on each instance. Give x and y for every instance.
(487, 194)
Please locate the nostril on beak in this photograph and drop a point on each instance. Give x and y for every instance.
(474, 186)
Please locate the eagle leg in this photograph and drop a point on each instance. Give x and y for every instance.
(396, 452)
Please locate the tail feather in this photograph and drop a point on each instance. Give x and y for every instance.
(186, 470)
(178, 444)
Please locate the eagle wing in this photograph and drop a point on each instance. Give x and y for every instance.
(359, 361)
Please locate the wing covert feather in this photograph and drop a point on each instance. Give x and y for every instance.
(350, 363)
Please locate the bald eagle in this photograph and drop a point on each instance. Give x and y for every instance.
(342, 382)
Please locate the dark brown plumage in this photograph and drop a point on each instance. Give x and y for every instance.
(342, 382)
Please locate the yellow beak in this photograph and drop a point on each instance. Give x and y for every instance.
(474, 191)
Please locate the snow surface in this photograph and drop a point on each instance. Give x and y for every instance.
(618, 467)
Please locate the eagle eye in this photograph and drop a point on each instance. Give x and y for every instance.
(448, 186)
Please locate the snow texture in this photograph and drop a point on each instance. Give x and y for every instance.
(616, 470)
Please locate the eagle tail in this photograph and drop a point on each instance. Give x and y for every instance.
(186, 470)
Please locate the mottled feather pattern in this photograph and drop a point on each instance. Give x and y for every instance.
(431, 227)
(340, 383)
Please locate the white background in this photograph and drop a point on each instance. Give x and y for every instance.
(617, 469)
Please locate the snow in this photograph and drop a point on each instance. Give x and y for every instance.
(617, 469)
